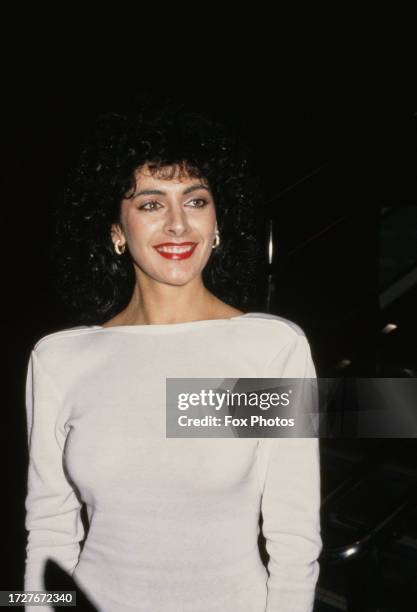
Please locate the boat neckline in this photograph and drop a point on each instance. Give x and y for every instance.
(170, 326)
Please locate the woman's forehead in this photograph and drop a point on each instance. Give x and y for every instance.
(146, 175)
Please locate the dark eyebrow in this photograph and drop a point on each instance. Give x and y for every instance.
(159, 192)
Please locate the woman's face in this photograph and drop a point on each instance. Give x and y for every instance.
(163, 213)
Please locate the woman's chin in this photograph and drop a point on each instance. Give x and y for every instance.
(176, 279)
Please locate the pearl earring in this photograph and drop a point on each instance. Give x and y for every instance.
(117, 247)
(217, 240)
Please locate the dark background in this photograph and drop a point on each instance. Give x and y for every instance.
(337, 156)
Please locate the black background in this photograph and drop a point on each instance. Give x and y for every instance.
(333, 149)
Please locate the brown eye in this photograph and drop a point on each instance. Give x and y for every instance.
(147, 204)
(202, 201)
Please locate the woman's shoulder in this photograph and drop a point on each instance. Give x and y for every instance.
(55, 337)
(275, 324)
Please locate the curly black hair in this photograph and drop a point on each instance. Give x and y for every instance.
(95, 283)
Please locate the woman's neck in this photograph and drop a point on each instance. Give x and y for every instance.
(176, 307)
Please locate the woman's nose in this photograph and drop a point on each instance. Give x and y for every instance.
(177, 222)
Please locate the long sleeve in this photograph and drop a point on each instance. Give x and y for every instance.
(53, 519)
(290, 502)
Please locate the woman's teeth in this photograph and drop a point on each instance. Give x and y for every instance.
(175, 249)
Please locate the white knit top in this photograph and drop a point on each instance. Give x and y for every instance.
(173, 522)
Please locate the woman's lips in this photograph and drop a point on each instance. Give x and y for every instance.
(176, 251)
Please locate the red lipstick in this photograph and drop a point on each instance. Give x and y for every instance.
(175, 250)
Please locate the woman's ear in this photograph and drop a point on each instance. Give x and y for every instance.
(118, 239)
(117, 232)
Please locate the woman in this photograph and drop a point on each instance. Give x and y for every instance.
(159, 214)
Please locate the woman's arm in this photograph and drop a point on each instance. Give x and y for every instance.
(290, 502)
(53, 519)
